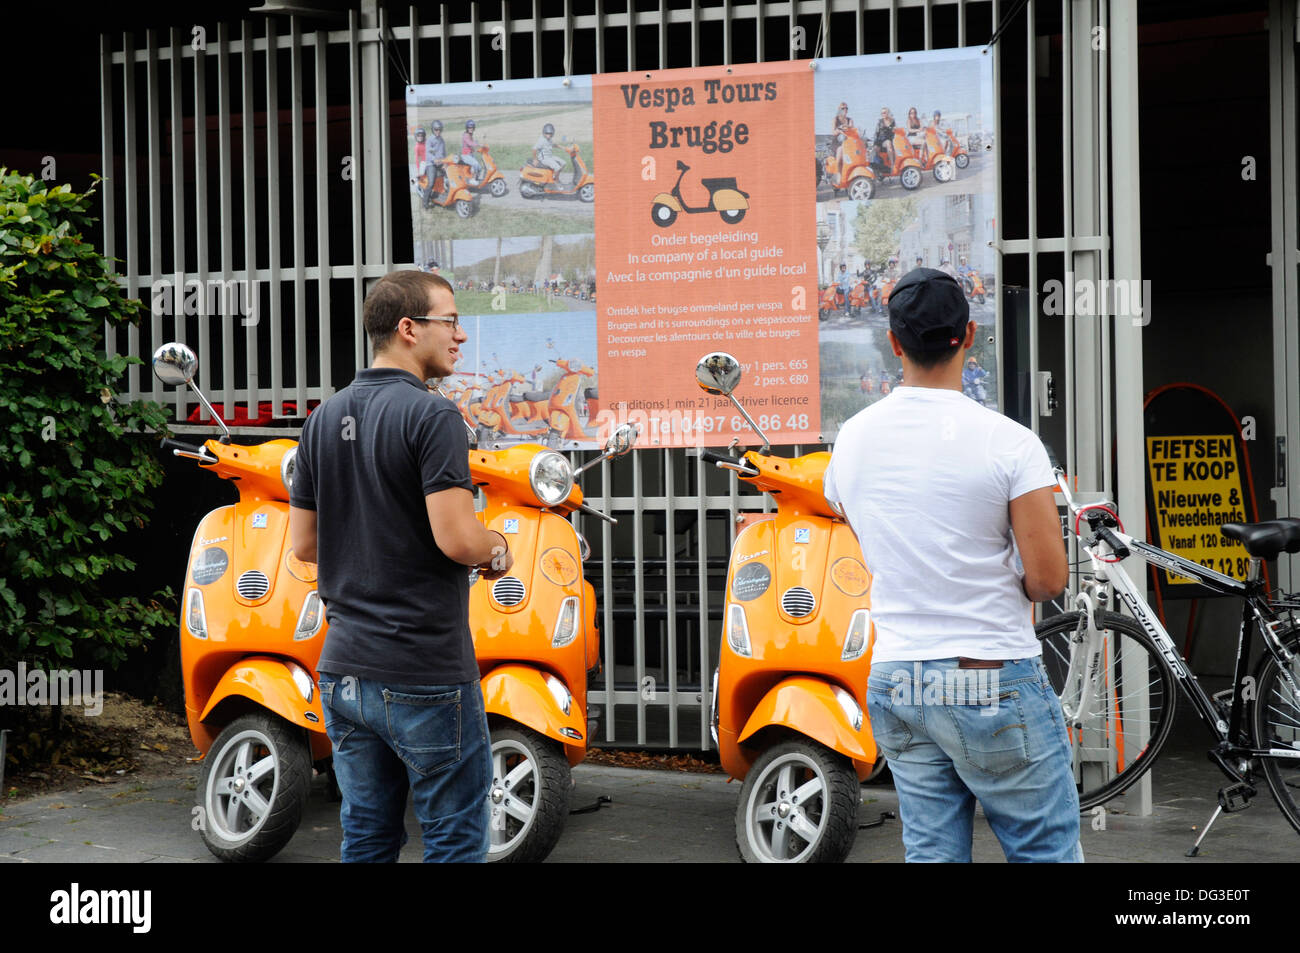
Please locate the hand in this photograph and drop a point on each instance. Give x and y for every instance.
(500, 563)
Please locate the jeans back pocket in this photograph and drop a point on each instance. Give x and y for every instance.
(424, 728)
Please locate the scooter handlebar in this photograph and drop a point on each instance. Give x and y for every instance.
(169, 444)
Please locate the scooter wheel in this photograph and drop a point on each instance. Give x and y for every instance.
(528, 190)
(944, 171)
(799, 805)
(962, 160)
(588, 192)
(253, 788)
(663, 215)
(529, 798)
(498, 187)
(910, 177)
(466, 208)
(732, 215)
(862, 189)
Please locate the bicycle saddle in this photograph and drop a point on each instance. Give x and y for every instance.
(1266, 539)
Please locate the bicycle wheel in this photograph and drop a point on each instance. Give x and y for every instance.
(1122, 733)
(1276, 724)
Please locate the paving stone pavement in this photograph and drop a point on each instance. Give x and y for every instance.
(654, 816)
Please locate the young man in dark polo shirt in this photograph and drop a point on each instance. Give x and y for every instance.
(382, 501)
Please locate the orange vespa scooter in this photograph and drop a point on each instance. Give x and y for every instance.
(563, 422)
(536, 639)
(251, 631)
(854, 174)
(539, 181)
(788, 700)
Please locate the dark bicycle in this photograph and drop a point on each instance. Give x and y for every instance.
(1117, 676)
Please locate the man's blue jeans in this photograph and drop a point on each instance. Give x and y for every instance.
(956, 735)
(432, 739)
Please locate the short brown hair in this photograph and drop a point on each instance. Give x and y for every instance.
(397, 295)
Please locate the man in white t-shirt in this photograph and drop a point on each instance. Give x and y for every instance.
(953, 506)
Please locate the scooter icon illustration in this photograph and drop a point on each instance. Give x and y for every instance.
(724, 198)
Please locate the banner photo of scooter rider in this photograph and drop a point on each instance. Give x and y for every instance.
(906, 177)
(708, 233)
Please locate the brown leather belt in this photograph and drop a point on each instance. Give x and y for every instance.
(978, 663)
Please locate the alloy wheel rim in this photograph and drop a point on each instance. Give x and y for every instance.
(242, 786)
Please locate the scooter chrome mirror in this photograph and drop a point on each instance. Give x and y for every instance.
(718, 373)
(620, 442)
(174, 364)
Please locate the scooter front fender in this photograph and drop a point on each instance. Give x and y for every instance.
(663, 198)
(808, 706)
(462, 194)
(269, 683)
(519, 693)
(729, 200)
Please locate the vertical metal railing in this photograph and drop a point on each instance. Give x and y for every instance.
(684, 640)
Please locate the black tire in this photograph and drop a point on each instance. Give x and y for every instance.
(588, 192)
(962, 160)
(1275, 723)
(541, 791)
(831, 823)
(910, 177)
(879, 771)
(498, 187)
(662, 215)
(732, 216)
(269, 808)
(1134, 645)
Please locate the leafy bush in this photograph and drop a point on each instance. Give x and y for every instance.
(75, 468)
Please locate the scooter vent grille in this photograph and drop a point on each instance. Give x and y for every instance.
(508, 591)
(798, 602)
(253, 584)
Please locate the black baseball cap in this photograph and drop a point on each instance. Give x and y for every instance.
(928, 310)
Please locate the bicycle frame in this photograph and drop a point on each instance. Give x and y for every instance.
(1109, 541)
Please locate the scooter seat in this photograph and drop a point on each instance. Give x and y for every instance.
(714, 185)
(1266, 540)
(590, 394)
(536, 395)
(517, 398)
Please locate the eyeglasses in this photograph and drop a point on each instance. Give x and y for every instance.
(453, 320)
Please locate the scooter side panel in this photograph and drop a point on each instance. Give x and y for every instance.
(519, 693)
(268, 683)
(808, 706)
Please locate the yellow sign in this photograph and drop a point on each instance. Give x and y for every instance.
(1196, 485)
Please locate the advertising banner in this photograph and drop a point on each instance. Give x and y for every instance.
(709, 231)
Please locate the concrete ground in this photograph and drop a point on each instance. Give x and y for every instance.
(654, 816)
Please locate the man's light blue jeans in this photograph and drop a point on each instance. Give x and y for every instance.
(953, 736)
(432, 739)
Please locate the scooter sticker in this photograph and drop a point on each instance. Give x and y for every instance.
(300, 570)
(259, 521)
(210, 566)
(850, 576)
(751, 581)
(802, 534)
(559, 566)
(512, 526)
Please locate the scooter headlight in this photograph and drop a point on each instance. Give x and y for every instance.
(559, 693)
(566, 623)
(286, 469)
(852, 710)
(196, 620)
(856, 641)
(738, 631)
(310, 618)
(551, 476)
